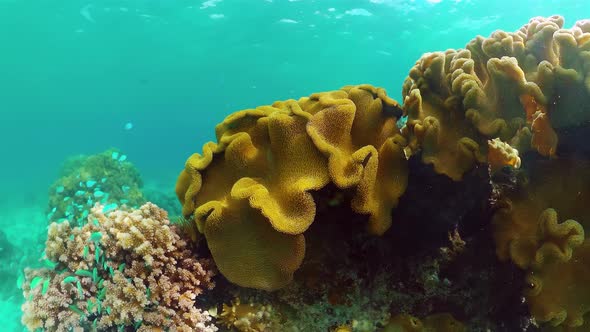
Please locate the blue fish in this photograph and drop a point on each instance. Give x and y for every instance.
(109, 207)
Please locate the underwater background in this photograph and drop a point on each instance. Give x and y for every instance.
(152, 78)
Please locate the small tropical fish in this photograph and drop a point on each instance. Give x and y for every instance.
(109, 207)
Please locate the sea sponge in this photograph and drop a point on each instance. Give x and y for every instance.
(253, 187)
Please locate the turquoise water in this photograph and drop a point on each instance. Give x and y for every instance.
(74, 73)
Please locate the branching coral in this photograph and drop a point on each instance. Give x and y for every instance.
(254, 186)
(121, 269)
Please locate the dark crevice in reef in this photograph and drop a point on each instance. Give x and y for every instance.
(438, 254)
(434, 205)
(569, 141)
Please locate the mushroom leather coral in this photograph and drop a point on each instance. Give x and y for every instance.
(354, 129)
(249, 317)
(523, 88)
(501, 154)
(530, 231)
(533, 80)
(252, 188)
(526, 226)
(434, 323)
(559, 290)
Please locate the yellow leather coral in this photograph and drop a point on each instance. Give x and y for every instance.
(533, 80)
(356, 130)
(530, 231)
(437, 124)
(434, 323)
(248, 317)
(559, 291)
(252, 188)
(525, 228)
(511, 93)
(501, 154)
(527, 219)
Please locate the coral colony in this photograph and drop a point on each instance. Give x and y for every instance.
(462, 209)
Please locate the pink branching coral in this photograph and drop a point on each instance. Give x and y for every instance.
(121, 270)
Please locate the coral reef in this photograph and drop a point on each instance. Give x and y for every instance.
(124, 269)
(482, 160)
(355, 281)
(529, 89)
(165, 199)
(467, 206)
(107, 178)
